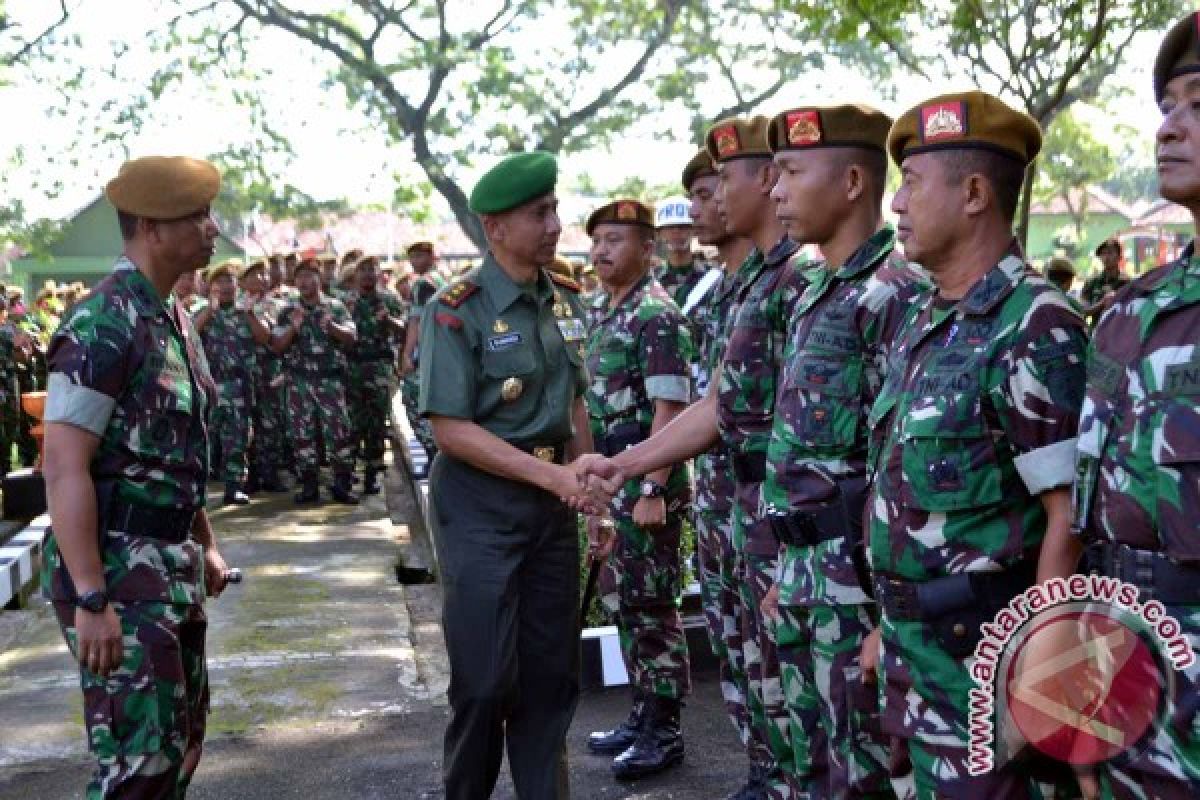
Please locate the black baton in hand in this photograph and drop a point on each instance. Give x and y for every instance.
(589, 589)
(233, 575)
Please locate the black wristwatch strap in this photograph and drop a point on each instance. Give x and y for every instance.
(94, 601)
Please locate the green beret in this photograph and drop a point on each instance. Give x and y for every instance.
(700, 165)
(811, 127)
(963, 121)
(1178, 54)
(737, 138)
(621, 212)
(164, 187)
(514, 181)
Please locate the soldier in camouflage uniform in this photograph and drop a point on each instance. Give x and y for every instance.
(713, 506)
(231, 331)
(1137, 486)
(738, 414)
(15, 347)
(131, 553)
(1098, 291)
(833, 367)
(267, 446)
(378, 315)
(639, 356)
(683, 269)
(310, 333)
(973, 432)
(424, 285)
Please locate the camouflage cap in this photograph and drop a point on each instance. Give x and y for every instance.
(514, 181)
(850, 125)
(963, 121)
(737, 138)
(164, 187)
(700, 165)
(1179, 53)
(621, 212)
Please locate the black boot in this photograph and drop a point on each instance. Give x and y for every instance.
(659, 743)
(270, 482)
(371, 481)
(252, 484)
(618, 740)
(755, 787)
(234, 495)
(341, 490)
(308, 489)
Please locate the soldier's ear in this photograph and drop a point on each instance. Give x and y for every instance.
(978, 194)
(854, 182)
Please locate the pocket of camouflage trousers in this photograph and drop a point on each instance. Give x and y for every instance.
(650, 585)
(950, 472)
(1176, 451)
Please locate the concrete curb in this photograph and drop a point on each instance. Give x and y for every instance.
(20, 562)
(410, 458)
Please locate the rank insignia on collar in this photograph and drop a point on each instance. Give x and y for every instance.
(803, 128)
(500, 326)
(941, 121)
(728, 143)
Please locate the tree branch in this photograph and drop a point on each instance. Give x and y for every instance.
(28, 47)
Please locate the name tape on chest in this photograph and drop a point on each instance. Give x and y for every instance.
(504, 342)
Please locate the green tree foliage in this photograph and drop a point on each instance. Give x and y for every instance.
(1072, 159)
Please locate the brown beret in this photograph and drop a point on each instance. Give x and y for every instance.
(352, 255)
(420, 247)
(736, 138)
(700, 165)
(621, 212)
(964, 121)
(1060, 266)
(164, 187)
(258, 263)
(1178, 54)
(232, 267)
(810, 127)
(367, 261)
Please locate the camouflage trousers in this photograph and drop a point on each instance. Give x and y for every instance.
(722, 612)
(320, 401)
(410, 390)
(832, 709)
(270, 443)
(369, 397)
(145, 722)
(231, 427)
(1168, 765)
(640, 585)
(926, 712)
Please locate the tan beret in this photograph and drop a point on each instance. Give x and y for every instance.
(700, 165)
(1178, 54)
(963, 121)
(368, 261)
(231, 267)
(164, 187)
(810, 127)
(352, 256)
(737, 138)
(258, 263)
(621, 212)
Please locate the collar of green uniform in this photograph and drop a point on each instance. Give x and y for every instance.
(502, 289)
(870, 253)
(784, 249)
(633, 296)
(146, 301)
(990, 290)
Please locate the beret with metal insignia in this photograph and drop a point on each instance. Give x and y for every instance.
(850, 125)
(1179, 53)
(514, 181)
(621, 212)
(700, 165)
(738, 137)
(964, 121)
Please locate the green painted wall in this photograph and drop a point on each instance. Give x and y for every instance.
(86, 250)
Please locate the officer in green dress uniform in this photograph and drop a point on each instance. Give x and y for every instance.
(502, 384)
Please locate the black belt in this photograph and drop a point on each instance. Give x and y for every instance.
(927, 600)
(617, 438)
(1156, 576)
(750, 467)
(168, 524)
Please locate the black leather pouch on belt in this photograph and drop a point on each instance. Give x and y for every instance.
(619, 438)
(750, 467)
(955, 607)
(1156, 575)
(841, 517)
(169, 525)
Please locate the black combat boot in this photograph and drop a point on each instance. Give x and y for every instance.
(371, 481)
(234, 496)
(252, 484)
(659, 743)
(618, 740)
(269, 482)
(341, 489)
(308, 489)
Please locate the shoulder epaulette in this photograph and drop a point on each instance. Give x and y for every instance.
(564, 281)
(458, 293)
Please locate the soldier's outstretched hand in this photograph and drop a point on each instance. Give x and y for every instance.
(601, 475)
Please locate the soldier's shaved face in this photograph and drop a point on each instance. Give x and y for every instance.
(1177, 143)
(707, 224)
(740, 199)
(927, 208)
(619, 253)
(808, 194)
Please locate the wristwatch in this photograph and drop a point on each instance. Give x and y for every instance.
(94, 601)
(653, 489)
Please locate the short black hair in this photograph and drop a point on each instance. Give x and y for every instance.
(128, 224)
(873, 162)
(1005, 174)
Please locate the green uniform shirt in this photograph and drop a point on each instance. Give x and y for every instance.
(506, 356)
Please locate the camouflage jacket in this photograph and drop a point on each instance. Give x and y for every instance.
(314, 353)
(229, 345)
(639, 352)
(977, 416)
(269, 366)
(714, 474)
(1138, 476)
(679, 281)
(376, 341)
(1095, 287)
(833, 367)
(8, 366)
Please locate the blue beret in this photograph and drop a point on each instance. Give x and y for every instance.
(515, 180)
